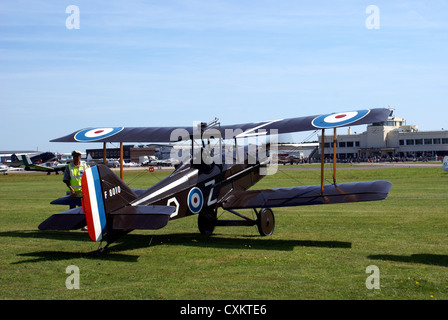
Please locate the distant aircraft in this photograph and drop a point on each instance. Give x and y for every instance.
(3, 168)
(38, 159)
(48, 167)
(167, 162)
(131, 164)
(109, 162)
(111, 209)
(155, 162)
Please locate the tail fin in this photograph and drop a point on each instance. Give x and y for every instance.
(107, 205)
(25, 158)
(103, 193)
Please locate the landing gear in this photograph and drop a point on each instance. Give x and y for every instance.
(265, 221)
(207, 222)
(100, 251)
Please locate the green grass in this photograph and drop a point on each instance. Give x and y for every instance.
(316, 252)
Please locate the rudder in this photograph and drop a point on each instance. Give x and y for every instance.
(103, 193)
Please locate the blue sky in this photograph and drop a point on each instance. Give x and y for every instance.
(168, 63)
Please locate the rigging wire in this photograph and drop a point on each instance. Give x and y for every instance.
(294, 149)
(306, 139)
(140, 173)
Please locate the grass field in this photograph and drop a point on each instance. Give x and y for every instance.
(316, 252)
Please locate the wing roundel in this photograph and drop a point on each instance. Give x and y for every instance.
(338, 119)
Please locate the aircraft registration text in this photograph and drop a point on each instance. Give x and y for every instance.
(112, 192)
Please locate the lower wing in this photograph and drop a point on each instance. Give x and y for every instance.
(308, 195)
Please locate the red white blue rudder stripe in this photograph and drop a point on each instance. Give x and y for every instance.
(93, 204)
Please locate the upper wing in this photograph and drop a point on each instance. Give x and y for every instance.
(126, 134)
(173, 134)
(308, 195)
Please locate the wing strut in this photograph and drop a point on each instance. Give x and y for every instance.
(335, 142)
(322, 162)
(104, 154)
(121, 160)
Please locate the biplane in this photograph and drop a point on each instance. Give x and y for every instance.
(206, 180)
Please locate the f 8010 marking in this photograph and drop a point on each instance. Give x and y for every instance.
(112, 192)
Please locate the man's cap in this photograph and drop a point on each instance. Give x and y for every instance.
(76, 152)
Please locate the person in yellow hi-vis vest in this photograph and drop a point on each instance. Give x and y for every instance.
(73, 174)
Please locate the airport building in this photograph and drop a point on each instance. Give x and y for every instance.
(132, 153)
(391, 140)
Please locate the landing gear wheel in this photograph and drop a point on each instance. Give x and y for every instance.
(265, 222)
(206, 223)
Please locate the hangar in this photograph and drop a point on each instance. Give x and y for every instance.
(132, 152)
(391, 140)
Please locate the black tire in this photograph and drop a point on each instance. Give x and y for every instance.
(265, 222)
(206, 223)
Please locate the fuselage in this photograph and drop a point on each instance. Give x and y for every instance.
(200, 188)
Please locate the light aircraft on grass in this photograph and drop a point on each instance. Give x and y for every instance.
(4, 168)
(48, 167)
(206, 180)
(16, 159)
